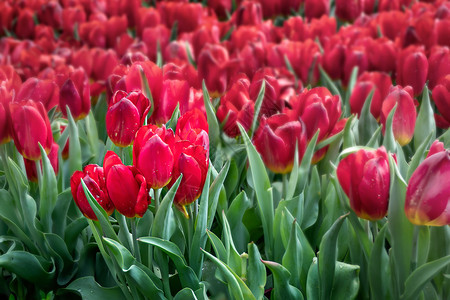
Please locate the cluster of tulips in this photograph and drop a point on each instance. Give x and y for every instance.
(262, 121)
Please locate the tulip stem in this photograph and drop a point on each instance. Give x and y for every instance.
(415, 248)
(157, 193)
(135, 241)
(285, 186)
(190, 227)
(374, 229)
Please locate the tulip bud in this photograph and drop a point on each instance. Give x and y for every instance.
(94, 178)
(133, 200)
(441, 97)
(153, 154)
(31, 126)
(427, 197)
(404, 120)
(75, 94)
(412, 69)
(275, 140)
(365, 178)
(124, 117)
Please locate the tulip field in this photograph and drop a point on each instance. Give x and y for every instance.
(225, 149)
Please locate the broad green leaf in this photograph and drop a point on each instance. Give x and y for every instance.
(214, 193)
(236, 286)
(74, 144)
(256, 272)
(172, 123)
(293, 259)
(235, 213)
(214, 132)
(200, 237)
(312, 199)
(185, 294)
(399, 227)
(328, 257)
(88, 289)
(422, 275)
(306, 163)
(418, 155)
(263, 192)
(379, 272)
(234, 261)
(29, 267)
(92, 135)
(60, 212)
(187, 275)
(425, 123)
(281, 277)
(48, 191)
(73, 232)
(219, 248)
(293, 177)
(63, 259)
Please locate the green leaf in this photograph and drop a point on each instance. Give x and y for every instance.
(216, 243)
(425, 123)
(88, 289)
(147, 91)
(29, 267)
(263, 192)
(422, 275)
(306, 163)
(418, 155)
(400, 228)
(74, 144)
(293, 258)
(234, 215)
(293, 178)
(258, 104)
(236, 286)
(328, 82)
(60, 212)
(379, 272)
(328, 257)
(92, 135)
(200, 237)
(174, 31)
(214, 131)
(350, 87)
(185, 294)
(187, 275)
(63, 260)
(48, 191)
(214, 193)
(312, 200)
(73, 232)
(281, 277)
(172, 123)
(234, 261)
(367, 125)
(256, 272)
(389, 140)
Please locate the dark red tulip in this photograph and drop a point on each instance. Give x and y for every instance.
(389, 50)
(275, 140)
(271, 102)
(5, 116)
(125, 115)
(441, 97)
(30, 166)
(248, 13)
(71, 17)
(187, 15)
(75, 94)
(333, 56)
(438, 65)
(404, 120)
(133, 200)
(153, 154)
(44, 91)
(315, 9)
(412, 69)
(31, 126)
(365, 179)
(212, 67)
(94, 179)
(25, 24)
(427, 194)
(348, 10)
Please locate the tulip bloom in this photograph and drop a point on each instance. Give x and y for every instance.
(192, 161)
(5, 118)
(31, 126)
(75, 94)
(126, 187)
(125, 116)
(427, 197)
(404, 120)
(30, 166)
(275, 141)
(153, 154)
(94, 178)
(365, 178)
(412, 68)
(212, 67)
(44, 91)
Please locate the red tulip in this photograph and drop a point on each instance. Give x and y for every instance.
(94, 178)
(439, 65)
(275, 140)
(126, 186)
(125, 115)
(236, 106)
(172, 93)
(427, 197)
(192, 161)
(441, 97)
(436, 147)
(271, 102)
(355, 57)
(25, 24)
(31, 126)
(404, 120)
(188, 15)
(5, 117)
(44, 91)
(212, 67)
(333, 56)
(412, 69)
(315, 9)
(153, 154)
(364, 177)
(30, 166)
(248, 13)
(348, 10)
(75, 94)
(71, 17)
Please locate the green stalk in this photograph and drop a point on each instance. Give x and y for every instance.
(157, 193)
(137, 254)
(415, 248)
(374, 229)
